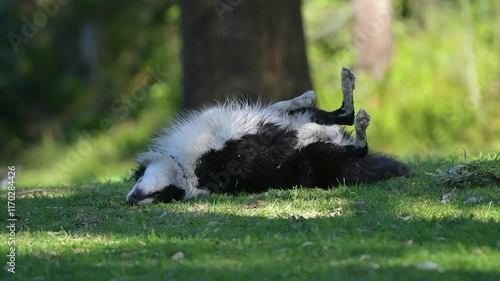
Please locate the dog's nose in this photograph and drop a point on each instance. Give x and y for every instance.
(133, 198)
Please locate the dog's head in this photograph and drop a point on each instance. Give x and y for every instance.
(157, 180)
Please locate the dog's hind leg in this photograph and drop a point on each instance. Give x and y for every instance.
(334, 159)
(342, 116)
(346, 111)
(311, 132)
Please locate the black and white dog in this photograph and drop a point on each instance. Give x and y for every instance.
(242, 147)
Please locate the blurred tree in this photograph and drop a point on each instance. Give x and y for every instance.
(66, 65)
(250, 47)
(373, 38)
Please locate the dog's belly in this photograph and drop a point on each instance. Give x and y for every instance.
(252, 163)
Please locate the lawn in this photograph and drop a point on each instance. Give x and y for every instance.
(401, 229)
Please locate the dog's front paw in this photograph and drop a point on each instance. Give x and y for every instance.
(307, 99)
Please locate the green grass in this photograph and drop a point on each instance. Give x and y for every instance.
(386, 231)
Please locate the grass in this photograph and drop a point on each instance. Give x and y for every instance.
(401, 229)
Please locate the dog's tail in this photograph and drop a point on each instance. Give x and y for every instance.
(373, 168)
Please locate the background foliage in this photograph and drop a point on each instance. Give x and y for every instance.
(69, 118)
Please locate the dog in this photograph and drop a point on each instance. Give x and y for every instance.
(240, 146)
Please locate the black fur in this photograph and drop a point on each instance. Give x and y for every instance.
(252, 164)
(138, 173)
(268, 159)
(171, 193)
(338, 117)
(168, 194)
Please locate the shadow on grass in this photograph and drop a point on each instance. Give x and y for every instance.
(121, 265)
(223, 236)
(101, 210)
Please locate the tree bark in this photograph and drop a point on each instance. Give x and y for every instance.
(249, 48)
(373, 39)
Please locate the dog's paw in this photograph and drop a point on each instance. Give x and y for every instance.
(362, 121)
(307, 99)
(348, 79)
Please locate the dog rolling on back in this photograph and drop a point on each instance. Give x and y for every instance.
(243, 147)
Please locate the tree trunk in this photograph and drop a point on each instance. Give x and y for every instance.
(247, 48)
(373, 36)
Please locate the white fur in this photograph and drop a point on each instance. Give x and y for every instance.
(155, 178)
(312, 132)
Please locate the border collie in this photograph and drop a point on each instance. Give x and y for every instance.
(242, 147)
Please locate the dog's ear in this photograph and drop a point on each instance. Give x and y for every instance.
(138, 173)
(172, 193)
